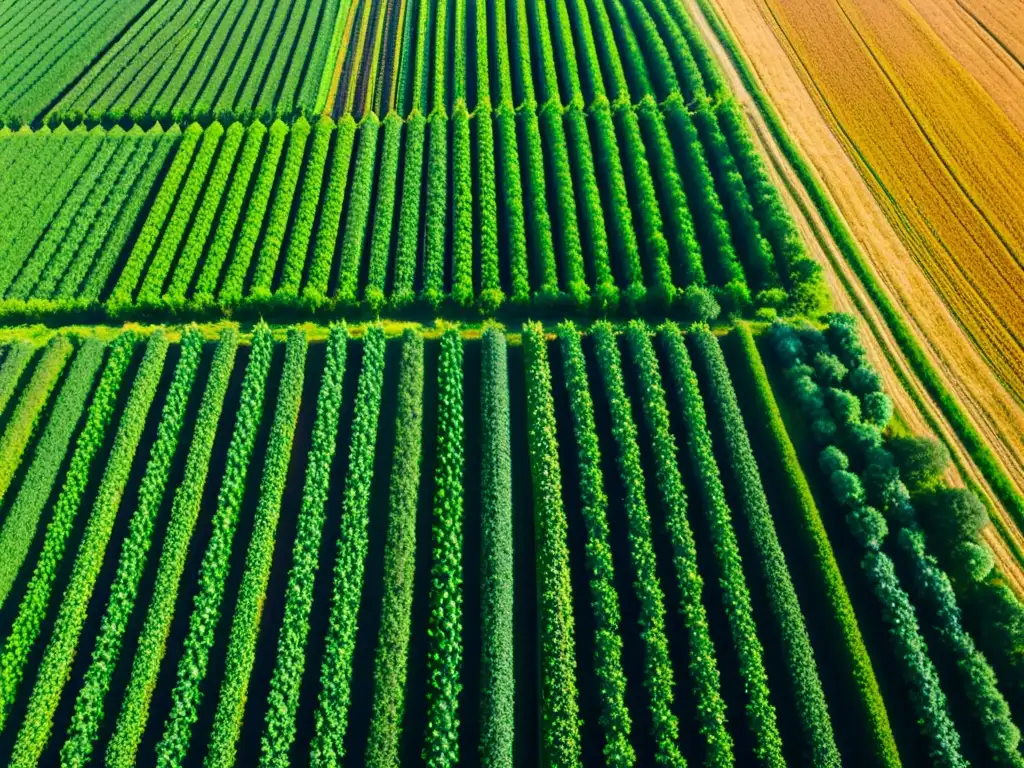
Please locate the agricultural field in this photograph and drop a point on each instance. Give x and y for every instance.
(924, 194)
(415, 382)
(563, 187)
(662, 558)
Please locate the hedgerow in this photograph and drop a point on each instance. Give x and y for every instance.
(444, 624)
(331, 206)
(160, 265)
(354, 239)
(735, 593)
(234, 279)
(407, 245)
(390, 668)
(22, 519)
(26, 413)
(277, 220)
(124, 589)
(497, 668)
(124, 291)
(560, 729)
(384, 216)
(215, 566)
(55, 666)
(435, 215)
(305, 213)
(658, 675)
(786, 466)
(883, 486)
(709, 217)
(615, 719)
(152, 643)
(283, 698)
(230, 213)
(462, 207)
(245, 627)
(702, 663)
(331, 719)
(574, 275)
(202, 224)
(869, 528)
(820, 745)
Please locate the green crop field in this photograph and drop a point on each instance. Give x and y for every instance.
(406, 382)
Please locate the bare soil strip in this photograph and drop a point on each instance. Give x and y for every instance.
(878, 239)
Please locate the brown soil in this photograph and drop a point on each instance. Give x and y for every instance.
(994, 413)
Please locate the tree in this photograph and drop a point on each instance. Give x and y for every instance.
(971, 561)
(922, 460)
(954, 515)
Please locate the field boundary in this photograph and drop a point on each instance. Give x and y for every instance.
(972, 441)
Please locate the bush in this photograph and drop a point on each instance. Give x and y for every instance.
(830, 369)
(832, 459)
(971, 561)
(868, 527)
(864, 379)
(699, 304)
(922, 460)
(847, 489)
(560, 737)
(878, 409)
(953, 515)
(216, 563)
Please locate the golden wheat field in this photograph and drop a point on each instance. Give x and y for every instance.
(925, 167)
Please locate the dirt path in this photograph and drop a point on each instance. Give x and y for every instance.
(909, 396)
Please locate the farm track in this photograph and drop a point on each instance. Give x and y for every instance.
(914, 404)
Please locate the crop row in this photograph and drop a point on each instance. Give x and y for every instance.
(236, 60)
(614, 208)
(616, 674)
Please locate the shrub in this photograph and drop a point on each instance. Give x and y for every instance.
(658, 675)
(331, 204)
(868, 527)
(35, 602)
(878, 409)
(22, 519)
(435, 217)
(354, 236)
(384, 215)
(407, 245)
(832, 459)
(971, 561)
(922, 461)
(88, 711)
(699, 304)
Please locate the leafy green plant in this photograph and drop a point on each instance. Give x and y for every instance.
(384, 740)
(331, 718)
